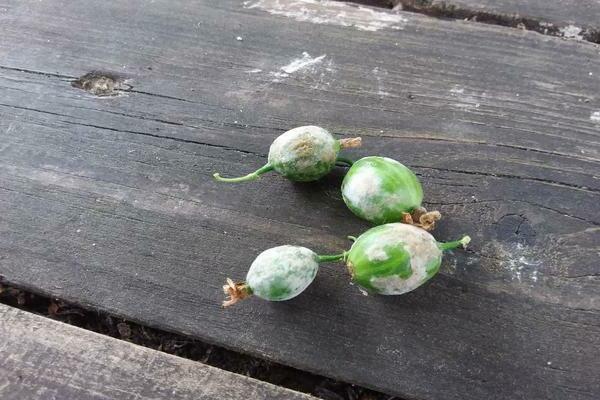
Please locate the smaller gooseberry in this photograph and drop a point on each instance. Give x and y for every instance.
(277, 274)
(302, 154)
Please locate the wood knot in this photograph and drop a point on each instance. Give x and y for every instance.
(101, 83)
(514, 227)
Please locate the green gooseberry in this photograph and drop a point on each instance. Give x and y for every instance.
(277, 274)
(396, 258)
(382, 190)
(302, 154)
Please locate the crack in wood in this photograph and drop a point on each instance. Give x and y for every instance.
(511, 176)
(466, 203)
(176, 139)
(484, 143)
(29, 71)
(161, 96)
(228, 148)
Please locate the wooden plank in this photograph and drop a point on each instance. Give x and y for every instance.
(572, 17)
(108, 201)
(46, 359)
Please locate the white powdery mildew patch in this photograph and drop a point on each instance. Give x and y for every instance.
(595, 116)
(377, 252)
(421, 247)
(571, 32)
(331, 13)
(360, 191)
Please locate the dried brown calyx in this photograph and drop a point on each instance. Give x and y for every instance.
(236, 291)
(348, 143)
(422, 218)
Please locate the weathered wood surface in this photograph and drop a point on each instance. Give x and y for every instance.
(109, 201)
(45, 359)
(563, 13)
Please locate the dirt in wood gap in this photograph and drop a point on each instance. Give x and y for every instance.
(447, 10)
(373, 3)
(186, 347)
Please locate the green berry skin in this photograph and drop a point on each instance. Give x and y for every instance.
(304, 154)
(283, 272)
(393, 259)
(380, 190)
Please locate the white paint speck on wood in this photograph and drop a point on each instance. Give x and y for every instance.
(303, 62)
(571, 32)
(331, 13)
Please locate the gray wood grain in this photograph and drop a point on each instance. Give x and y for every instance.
(108, 201)
(562, 13)
(45, 359)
